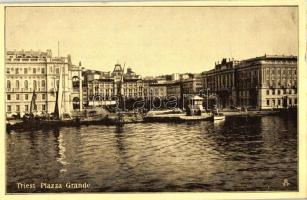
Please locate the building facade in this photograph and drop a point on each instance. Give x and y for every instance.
(104, 86)
(174, 89)
(38, 73)
(263, 82)
(192, 85)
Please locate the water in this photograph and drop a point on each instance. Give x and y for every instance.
(254, 154)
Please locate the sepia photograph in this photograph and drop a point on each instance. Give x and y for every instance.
(144, 98)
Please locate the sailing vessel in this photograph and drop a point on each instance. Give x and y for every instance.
(59, 107)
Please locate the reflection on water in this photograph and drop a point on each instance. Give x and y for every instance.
(249, 154)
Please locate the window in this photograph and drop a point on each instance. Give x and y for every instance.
(267, 102)
(290, 91)
(268, 92)
(43, 96)
(16, 70)
(8, 97)
(273, 92)
(17, 84)
(273, 102)
(8, 70)
(26, 108)
(34, 70)
(290, 101)
(17, 96)
(43, 70)
(25, 70)
(26, 84)
(278, 91)
(26, 96)
(17, 108)
(8, 84)
(279, 102)
(44, 107)
(9, 108)
(295, 101)
(43, 83)
(57, 70)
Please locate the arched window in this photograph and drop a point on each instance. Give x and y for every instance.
(26, 84)
(8, 84)
(34, 84)
(43, 83)
(17, 84)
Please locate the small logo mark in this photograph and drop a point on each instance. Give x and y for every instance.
(286, 183)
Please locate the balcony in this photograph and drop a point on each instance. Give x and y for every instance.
(25, 90)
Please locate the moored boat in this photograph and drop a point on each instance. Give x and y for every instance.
(218, 117)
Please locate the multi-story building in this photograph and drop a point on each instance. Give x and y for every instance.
(174, 89)
(39, 73)
(132, 86)
(264, 82)
(267, 82)
(221, 81)
(192, 85)
(158, 90)
(102, 86)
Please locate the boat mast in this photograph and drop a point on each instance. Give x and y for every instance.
(59, 98)
(119, 89)
(33, 105)
(56, 107)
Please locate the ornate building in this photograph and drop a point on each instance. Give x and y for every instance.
(38, 73)
(103, 86)
(263, 82)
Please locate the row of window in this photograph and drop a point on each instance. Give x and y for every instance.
(35, 70)
(279, 92)
(25, 70)
(25, 84)
(283, 71)
(280, 102)
(26, 108)
(26, 97)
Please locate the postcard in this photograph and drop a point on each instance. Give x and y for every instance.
(178, 100)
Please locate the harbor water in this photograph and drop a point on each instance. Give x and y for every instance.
(240, 154)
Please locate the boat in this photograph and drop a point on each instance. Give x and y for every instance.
(164, 112)
(194, 112)
(218, 117)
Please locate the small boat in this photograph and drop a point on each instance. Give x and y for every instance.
(218, 117)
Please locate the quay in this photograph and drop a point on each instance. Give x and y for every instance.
(127, 118)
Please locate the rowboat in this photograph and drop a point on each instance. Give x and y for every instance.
(218, 117)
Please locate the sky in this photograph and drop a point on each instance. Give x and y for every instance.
(154, 40)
